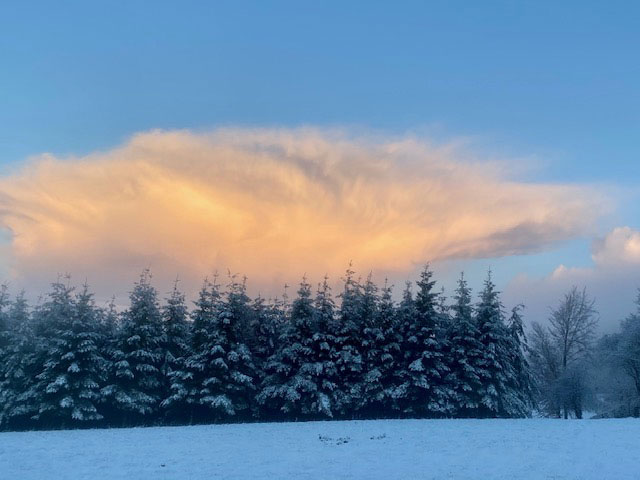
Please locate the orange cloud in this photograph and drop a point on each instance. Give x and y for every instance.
(273, 204)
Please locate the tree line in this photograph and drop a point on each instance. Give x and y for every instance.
(68, 363)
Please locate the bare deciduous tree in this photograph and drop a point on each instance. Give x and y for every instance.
(573, 325)
(559, 351)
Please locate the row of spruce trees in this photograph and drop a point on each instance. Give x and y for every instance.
(68, 363)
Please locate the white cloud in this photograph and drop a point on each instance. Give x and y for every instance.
(621, 247)
(613, 279)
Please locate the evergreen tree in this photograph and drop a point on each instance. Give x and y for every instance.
(73, 370)
(433, 321)
(381, 347)
(323, 344)
(405, 316)
(519, 397)
(219, 375)
(14, 336)
(5, 335)
(192, 383)
(424, 372)
(108, 329)
(51, 321)
(138, 357)
(301, 375)
(17, 402)
(266, 325)
(282, 388)
(232, 365)
(444, 312)
(466, 356)
(176, 341)
(495, 366)
(109, 322)
(5, 332)
(348, 358)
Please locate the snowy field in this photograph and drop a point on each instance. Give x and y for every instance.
(388, 449)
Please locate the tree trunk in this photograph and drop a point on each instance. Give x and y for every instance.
(577, 409)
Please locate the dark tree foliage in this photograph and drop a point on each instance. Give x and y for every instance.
(71, 363)
(191, 383)
(301, 374)
(138, 356)
(498, 371)
(466, 358)
(19, 369)
(232, 382)
(69, 385)
(5, 333)
(424, 390)
(348, 358)
(628, 353)
(324, 347)
(175, 349)
(266, 328)
(521, 395)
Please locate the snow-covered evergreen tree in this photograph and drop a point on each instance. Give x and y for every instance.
(218, 379)
(17, 400)
(7, 339)
(109, 321)
(108, 329)
(434, 321)
(380, 349)
(494, 362)
(68, 387)
(404, 319)
(519, 398)
(348, 329)
(268, 320)
(302, 378)
(289, 386)
(231, 368)
(329, 399)
(4, 321)
(465, 353)
(5, 329)
(424, 390)
(266, 328)
(191, 383)
(138, 358)
(175, 348)
(283, 388)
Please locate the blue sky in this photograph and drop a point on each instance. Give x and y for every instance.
(548, 78)
(552, 83)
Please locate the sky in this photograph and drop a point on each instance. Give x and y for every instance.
(277, 139)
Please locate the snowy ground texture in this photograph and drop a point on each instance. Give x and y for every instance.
(387, 449)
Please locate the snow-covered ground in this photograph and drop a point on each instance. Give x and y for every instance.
(387, 449)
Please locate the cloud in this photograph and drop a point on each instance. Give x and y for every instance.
(621, 247)
(613, 280)
(274, 204)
